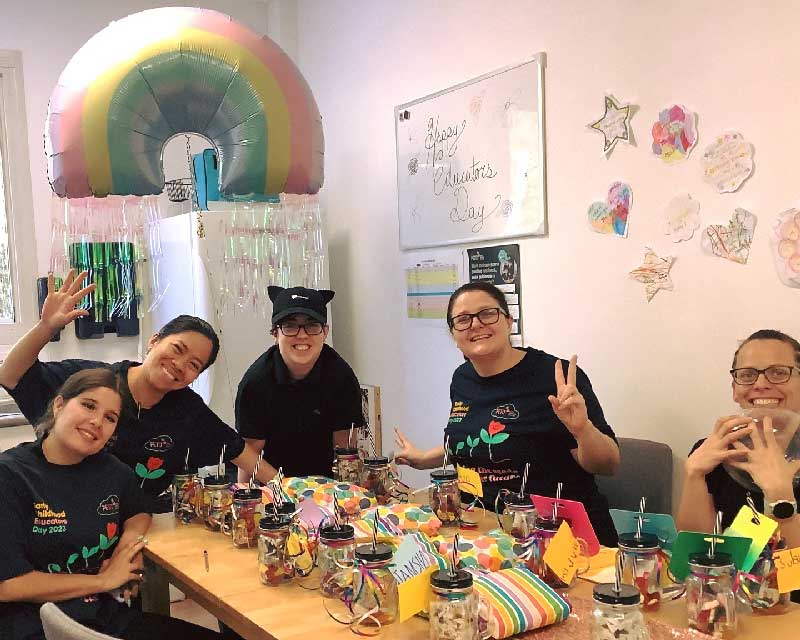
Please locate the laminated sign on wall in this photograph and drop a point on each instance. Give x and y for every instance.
(470, 160)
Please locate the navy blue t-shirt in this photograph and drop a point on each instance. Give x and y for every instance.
(498, 423)
(152, 442)
(62, 519)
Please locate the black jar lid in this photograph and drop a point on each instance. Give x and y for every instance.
(380, 553)
(345, 451)
(442, 475)
(548, 524)
(718, 560)
(442, 579)
(517, 500)
(630, 541)
(288, 508)
(271, 523)
(606, 593)
(247, 494)
(215, 481)
(376, 462)
(344, 532)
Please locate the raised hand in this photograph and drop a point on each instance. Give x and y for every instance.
(406, 452)
(716, 448)
(59, 308)
(568, 403)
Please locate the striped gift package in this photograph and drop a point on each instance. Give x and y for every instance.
(518, 601)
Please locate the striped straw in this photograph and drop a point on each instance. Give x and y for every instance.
(186, 461)
(446, 449)
(336, 524)
(559, 488)
(454, 556)
(640, 517)
(255, 470)
(752, 505)
(375, 534)
(524, 479)
(221, 462)
(618, 573)
(350, 437)
(717, 527)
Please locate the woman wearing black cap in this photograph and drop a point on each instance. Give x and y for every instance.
(299, 399)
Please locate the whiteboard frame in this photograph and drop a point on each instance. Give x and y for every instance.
(540, 60)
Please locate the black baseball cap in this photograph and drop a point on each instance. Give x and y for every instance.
(311, 302)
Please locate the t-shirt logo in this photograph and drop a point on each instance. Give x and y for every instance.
(505, 412)
(109, 506)
(159, 444)
(457, 412)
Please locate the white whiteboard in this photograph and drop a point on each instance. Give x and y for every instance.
(470, 160)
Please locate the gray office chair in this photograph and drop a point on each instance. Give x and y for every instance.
(59, 626)
(645, 470)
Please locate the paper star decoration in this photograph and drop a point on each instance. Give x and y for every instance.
(654, 273)
(615, 124)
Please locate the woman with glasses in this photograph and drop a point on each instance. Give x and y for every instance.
(765, 375)
(299, 399)
(513, 406)
(164, 420)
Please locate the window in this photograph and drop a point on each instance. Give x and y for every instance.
(17, 267)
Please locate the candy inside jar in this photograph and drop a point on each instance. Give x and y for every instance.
(376, 478)
(710, 602)
(641, 566)
(453, 608)
(375, 600)
(758, 588)
(274, 564)
(348, 466)
(518, 516)
(545, 531)
(335, 556)
(246, 511)
(215, 502)
(186, 494)
(445, 497)
(617, 614)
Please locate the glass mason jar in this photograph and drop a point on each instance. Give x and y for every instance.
(274, 565)
(544, 531)
(518, 516)
(186, 492)
(444, 496)
(242, 522)
(215, 502)
(617, 614)
(335, 555)
(641, 566)
(758, 588)
(376, 478)
(374, 586)
(710, 602)
(349, 467)
(453, 608)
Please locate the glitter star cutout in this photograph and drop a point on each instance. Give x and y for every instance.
(654, 273)
(615, 124)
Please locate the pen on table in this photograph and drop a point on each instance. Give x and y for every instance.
(205, 558)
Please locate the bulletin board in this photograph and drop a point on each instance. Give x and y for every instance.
(471, 160)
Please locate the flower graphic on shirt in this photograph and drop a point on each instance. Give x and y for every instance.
(151, 471)
(494, 435)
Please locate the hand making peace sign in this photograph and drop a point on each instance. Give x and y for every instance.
(569, 405)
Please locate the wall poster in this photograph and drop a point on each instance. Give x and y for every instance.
(500, 266)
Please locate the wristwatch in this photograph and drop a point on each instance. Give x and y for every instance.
(783, 509)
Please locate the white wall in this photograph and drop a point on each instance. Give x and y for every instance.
(660, 369)
(48, 33)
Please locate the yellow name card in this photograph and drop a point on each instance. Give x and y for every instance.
(414, 594)
(788, 564)
(562, 554)
(470, 481)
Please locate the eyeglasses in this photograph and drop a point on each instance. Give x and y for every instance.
(463, 321)
(291, 329)
(775, 373)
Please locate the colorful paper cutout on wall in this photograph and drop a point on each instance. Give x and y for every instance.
(653, 273)
(615, 125)
(785, 242)
(611, 216)
(731, 241)
(674, 133)
(681, 217)
(727, 162)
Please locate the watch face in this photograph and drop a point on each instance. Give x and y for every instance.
(783, 510)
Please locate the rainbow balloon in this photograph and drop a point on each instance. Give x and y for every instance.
(163, 72)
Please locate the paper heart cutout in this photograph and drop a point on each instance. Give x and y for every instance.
(611, 216)
(731, 241)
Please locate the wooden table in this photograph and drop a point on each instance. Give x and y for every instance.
(232, 592)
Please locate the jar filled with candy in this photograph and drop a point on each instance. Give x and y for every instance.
(617, 614)
(453, 609)
(335, 555)
(274, 565)
(641, 566)
(375, 600)
(348, 465)
(376, 478)
(710, 602)
(444, 496)
(215, 502)
(758, 588)
(518, 516)
(186, 493)
(246, 511)
(545, 530)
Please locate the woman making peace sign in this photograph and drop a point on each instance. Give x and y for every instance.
(511, 406)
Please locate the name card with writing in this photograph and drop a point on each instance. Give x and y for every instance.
(787, 562)
(562, 554)
(411, 569)
(469, 480)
